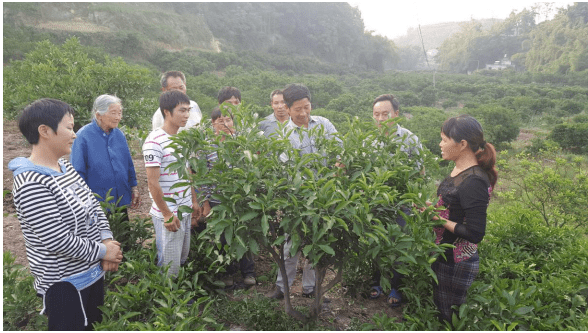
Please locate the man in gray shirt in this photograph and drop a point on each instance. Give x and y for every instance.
(297, 99)
(270, 123)
(387, 107)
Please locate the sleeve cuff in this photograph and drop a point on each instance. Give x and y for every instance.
(106, 234)
(102, 252)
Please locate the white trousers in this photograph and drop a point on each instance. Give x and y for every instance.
(172, 247)
(308, 275)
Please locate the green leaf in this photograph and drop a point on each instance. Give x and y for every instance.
(186, 209)
(327, 249)
(248, 216)
(264, 225)
(524, 310)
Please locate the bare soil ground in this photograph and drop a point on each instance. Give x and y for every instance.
(338, 314)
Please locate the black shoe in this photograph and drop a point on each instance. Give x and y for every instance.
(311, 295)
(277, 294)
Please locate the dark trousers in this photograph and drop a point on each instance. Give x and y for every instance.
(64, 309)
(395, 280)
(246, 264)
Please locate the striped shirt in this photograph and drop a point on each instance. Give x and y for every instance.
(157, 153)
(62, 223)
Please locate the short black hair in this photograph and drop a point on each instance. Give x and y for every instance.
(45, 111)
(169, 74)
(170, 99)
(295, 92)
(227, 92)
(390, 98)
(215, 114)
(274, 93)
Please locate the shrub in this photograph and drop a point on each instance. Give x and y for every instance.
(426, 125)
(67, 73)
(21, 306)
(550, 186)
(501, 125)
(571, 136)
(329, 217)
(571, 107)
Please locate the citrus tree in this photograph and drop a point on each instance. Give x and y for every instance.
(334, 204)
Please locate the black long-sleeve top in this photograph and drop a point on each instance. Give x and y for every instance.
(466, 197)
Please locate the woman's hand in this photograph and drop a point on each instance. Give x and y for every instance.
(113, 253)
(109, 266)
(135, 198)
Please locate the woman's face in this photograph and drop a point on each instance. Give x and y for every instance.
(111, 118)
(450, 149)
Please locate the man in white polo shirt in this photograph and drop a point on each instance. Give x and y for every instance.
(175, 80)
(172, 235)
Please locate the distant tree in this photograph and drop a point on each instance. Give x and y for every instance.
(559, 45)
(455, 52)
(409, 58)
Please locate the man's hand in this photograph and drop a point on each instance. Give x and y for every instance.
(173, 225)
(206, 209)
(196, 214)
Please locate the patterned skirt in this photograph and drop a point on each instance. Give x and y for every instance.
(454, 282)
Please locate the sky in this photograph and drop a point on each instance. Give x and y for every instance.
(393, 18)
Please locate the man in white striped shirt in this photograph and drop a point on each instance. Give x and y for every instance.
(172, 235)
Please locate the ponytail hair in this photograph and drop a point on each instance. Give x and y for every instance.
(467, 128)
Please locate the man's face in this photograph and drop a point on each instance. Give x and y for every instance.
(223, 124)
(175, 83)
(180, 115)
(233, 100)
(63, 139)
(300, 112)
(279, 106)
(383, 111)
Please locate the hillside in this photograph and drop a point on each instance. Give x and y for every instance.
(329, 32)
(435, 34)
(154, 25)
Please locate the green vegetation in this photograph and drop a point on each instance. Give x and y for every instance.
(328, 216)
(553, 46)
(533, 258)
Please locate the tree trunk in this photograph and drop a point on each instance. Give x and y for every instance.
(288, 308)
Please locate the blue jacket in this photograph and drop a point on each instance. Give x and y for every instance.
(104, 161)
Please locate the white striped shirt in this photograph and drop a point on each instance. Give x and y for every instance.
(157, 153)
(62, 223)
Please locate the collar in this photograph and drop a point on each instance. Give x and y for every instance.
(290, 123)
(95, 122)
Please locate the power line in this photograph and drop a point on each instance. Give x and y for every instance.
(423, 43)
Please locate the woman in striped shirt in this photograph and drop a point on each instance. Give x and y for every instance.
(68, 240)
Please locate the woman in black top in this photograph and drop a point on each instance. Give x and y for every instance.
(465, 194)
